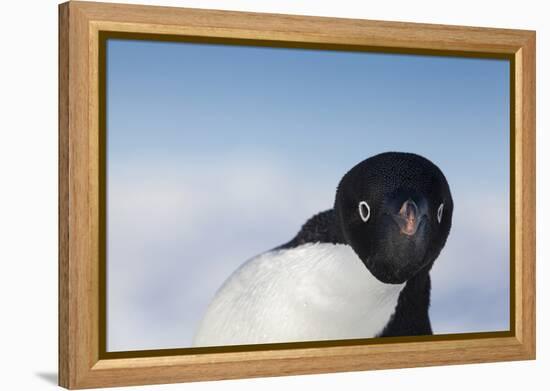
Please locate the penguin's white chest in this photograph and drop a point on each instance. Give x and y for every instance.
(313, 292)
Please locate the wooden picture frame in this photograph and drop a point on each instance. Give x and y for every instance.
(83, 361)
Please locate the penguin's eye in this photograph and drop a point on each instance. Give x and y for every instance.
(440, 213)
(364, 211)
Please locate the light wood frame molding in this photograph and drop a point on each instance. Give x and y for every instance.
(81, 361)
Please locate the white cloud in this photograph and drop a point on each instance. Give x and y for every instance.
(175, 237)
(175, 234)
(470, 280)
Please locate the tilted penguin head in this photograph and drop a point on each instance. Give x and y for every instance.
(395, 211)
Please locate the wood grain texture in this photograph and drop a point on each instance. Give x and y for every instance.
(526, 131)
(171, 20)
(63, 200)
(80, 365)
(77, 280)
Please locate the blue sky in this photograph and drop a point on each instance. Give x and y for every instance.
(217, 153)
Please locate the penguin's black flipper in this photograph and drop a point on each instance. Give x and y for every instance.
(411, 315)
(321, 228)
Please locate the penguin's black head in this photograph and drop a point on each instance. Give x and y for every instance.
(395, 211)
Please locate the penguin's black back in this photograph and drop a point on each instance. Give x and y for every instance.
(321, 228)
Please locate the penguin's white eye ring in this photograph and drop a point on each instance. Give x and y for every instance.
(364, 211)
(440, 213)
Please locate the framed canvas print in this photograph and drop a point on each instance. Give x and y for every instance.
(249, 194)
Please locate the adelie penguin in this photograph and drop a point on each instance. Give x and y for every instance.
(359, 270)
